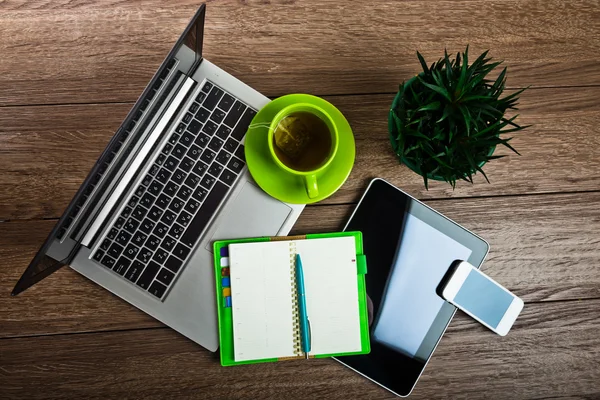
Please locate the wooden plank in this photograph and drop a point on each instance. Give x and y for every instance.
(46, 152)
(74, 52)
(551, 351)
(542, 247)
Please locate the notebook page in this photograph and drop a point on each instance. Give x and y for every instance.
(330, 280)
(261, 300)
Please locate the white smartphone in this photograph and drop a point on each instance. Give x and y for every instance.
(482, 298)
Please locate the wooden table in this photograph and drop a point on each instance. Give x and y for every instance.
(71, 70)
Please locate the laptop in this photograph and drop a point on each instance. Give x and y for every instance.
(172, 180)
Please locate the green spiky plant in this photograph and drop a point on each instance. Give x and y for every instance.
(446, 122)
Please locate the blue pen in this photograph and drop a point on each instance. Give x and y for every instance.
(304, 322)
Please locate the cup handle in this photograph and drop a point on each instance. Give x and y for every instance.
(311, 186)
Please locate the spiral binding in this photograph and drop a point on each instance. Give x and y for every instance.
(297, 343)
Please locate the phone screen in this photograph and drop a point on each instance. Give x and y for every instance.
(483, 298)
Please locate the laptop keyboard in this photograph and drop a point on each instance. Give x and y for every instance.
(165, 215)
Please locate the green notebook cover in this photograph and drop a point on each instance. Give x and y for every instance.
(225, 312)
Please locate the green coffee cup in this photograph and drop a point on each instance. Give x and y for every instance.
(303, 140)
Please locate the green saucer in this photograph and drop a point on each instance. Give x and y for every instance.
(282, 185)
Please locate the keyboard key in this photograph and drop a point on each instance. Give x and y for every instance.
(147, 226)
(160, 256)
(184, 218)
(187, 117)
(192, 180)
(215, 144)
(148, 275)
(192, 205)
(115, 250)
(139, 213)
(131, 251)
(217, 116)
(147, 200)
(210, 128)
(202, 140)
(200, 168)
(223, 132)
(200, 193)
(105, 245)
(226, 102)
(228, 176)
(174, 138)
(173, 264)
(133, 201)
(108, 262)
(152, 242)
(234, 114)
(163, 175)
(121, 266)
(168, 243)
(179, 151)
(157, 289)
(133, 273)
(213, 98)
(194, 152)
(231, 144)
(207, 87)
(176, 205)
(160, 159)
(144, 255)
(187, 139)
(202, 115)
(155, 188)
(208, 155)
(123, 237)
(139, 238)
(208, 181)
(215, 169)
(181, 251)
(239, 153)
(154, 169)
(203, 215)
(170, 190)
(155, 213)
(164, 200)
(161, 230)
(185, 192)
(98, 255)
(236, 165)
(186, 164)
(165, 276)
(193, 128)
(119, 223)
(167, 149)
(147, 180)
(140, 191)
(180, 128)
(171, 163)
(168, 217)
(178, 176)
(176, 230)
(201, 97)
(240, 129)
(223, 157)
(194, 107)
(113, 233)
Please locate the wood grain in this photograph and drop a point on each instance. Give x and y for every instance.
(552, 351)
(542, 248)
(561, 152)
(106, 51)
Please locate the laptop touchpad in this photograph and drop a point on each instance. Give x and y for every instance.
(253, 213)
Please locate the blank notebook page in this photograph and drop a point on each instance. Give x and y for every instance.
(263, 296)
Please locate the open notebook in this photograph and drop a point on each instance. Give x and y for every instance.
(258, 297)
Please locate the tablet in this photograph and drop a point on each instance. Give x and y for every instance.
(409, 248)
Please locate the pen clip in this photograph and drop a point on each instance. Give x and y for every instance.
(309, 338)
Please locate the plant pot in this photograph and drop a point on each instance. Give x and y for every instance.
(393, 132)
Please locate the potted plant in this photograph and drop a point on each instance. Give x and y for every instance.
(445, 123)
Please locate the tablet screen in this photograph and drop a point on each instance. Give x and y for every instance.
(409, 248)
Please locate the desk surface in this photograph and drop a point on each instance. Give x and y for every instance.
(71, 70)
